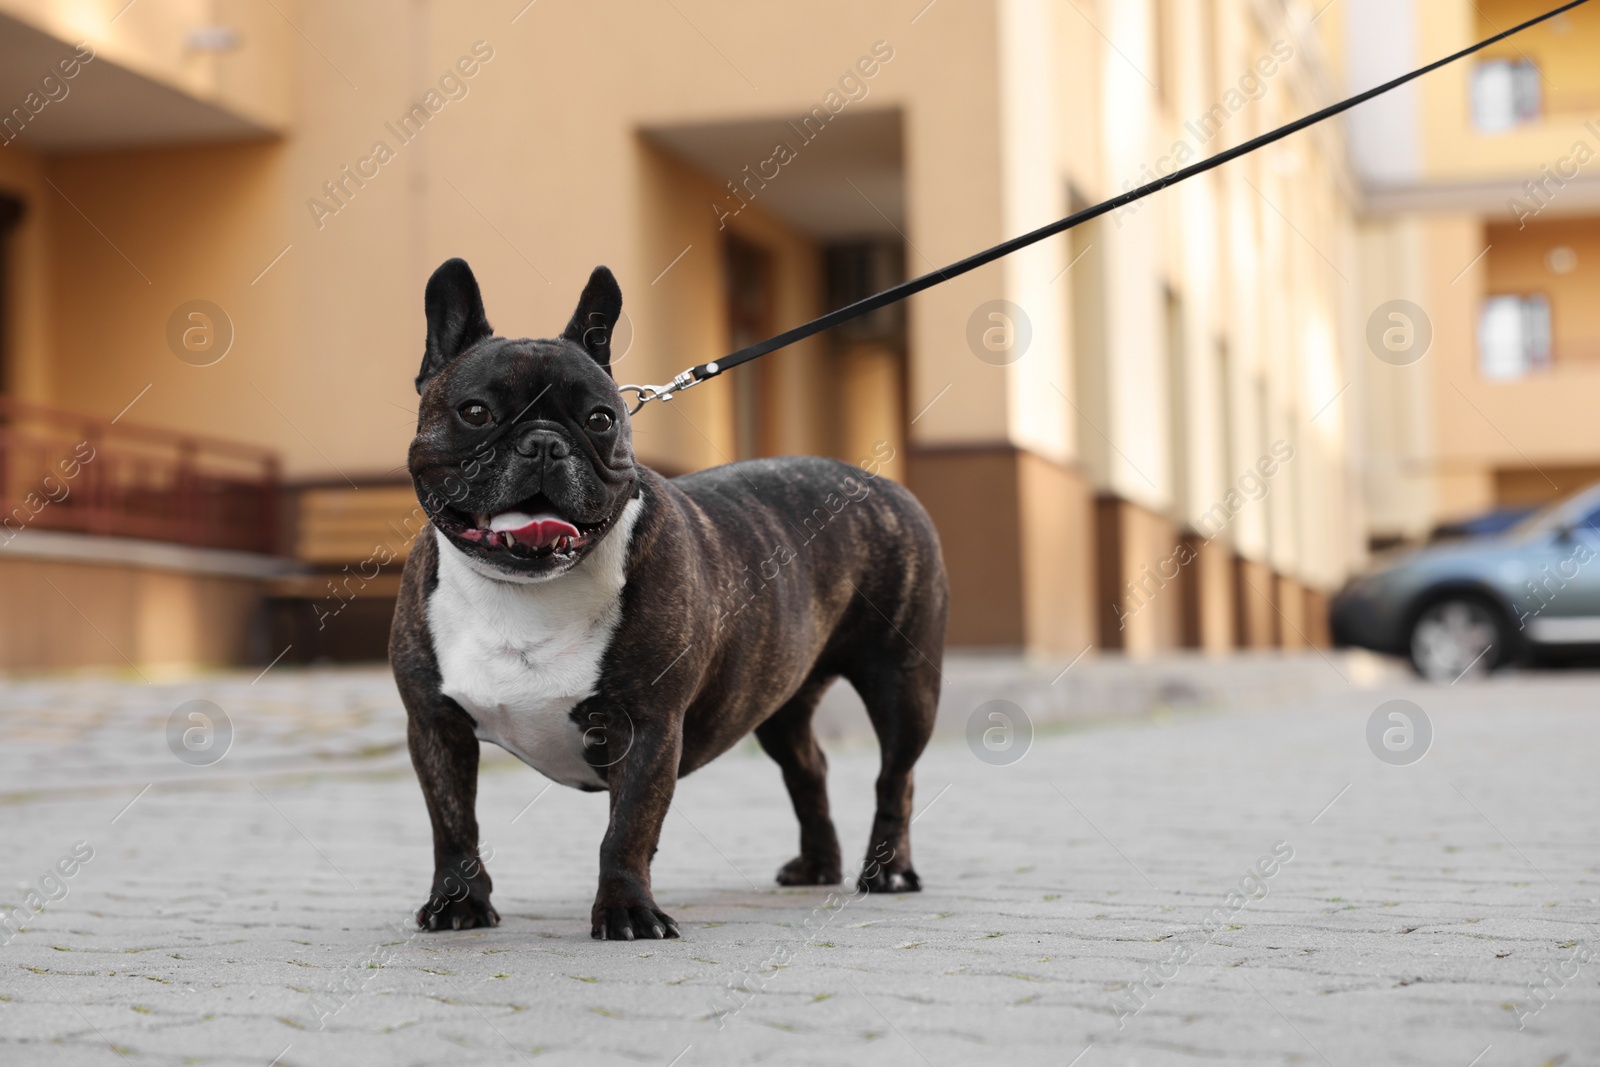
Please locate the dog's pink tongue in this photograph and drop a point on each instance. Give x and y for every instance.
(535, 531)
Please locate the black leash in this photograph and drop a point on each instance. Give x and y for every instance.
(704, 371)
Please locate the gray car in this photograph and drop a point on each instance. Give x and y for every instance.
(1478, 604)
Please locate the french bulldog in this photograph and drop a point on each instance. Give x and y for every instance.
(616, 629)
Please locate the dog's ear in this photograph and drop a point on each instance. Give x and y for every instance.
(592, 323)
(456, 320)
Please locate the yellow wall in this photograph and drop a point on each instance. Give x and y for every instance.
(533, 195)
(1481, 425)
(541, 170)
(1261, 259)
(1442, 441)
(254, 81)
(1563, 49)
(121, 618)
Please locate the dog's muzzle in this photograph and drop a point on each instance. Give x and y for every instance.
(535, 443)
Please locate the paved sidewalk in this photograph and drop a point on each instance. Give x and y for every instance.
(1093, 900)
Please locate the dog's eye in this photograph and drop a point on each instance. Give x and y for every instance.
(475, 413)
(599, 421)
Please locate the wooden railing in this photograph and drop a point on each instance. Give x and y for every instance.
(64, 471)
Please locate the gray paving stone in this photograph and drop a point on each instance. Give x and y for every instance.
(224, 911)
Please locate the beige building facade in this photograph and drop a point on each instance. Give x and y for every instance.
(1152, 433)
(1483, 212)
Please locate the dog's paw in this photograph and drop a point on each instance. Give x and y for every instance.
(467, 913)
(805, 870)
(883, 881)
(636, 922)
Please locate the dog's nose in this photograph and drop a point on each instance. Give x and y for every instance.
(536, 443)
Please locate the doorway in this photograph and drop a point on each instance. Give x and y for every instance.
(751, 294)
(869, 357)
(11, 213)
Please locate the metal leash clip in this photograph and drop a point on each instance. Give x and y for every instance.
(684, 380)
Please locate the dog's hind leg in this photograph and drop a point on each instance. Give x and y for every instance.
(902, 699)
(788, 738)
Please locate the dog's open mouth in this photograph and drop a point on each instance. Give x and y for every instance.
(529, 530)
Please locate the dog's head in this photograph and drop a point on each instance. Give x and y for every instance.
(523, 456)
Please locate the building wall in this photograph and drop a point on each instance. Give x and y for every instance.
(686, 305)
(1057, 558)
(1478, 215)
(1520, 262)
(123, 618)
(1194, 335)
(343, 306)
(1562, 48)
(984, 557)
(1215, 322)
(27, 300)
(254, 82)
(1142, 551)
(1395, 400)
(1216, 588)
(1260, 625)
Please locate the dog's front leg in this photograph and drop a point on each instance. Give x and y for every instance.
(641, 783)
(444, 751)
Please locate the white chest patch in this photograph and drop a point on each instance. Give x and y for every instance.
(518, 657)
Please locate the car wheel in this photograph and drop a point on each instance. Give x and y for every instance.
(1456, 636)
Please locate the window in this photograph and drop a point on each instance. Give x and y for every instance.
(11, 212)
(1514, 336)
(1505, 94)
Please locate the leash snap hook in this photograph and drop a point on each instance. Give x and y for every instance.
(647, 393)
(643, 393)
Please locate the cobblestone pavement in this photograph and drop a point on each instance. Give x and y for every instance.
(1230, 882)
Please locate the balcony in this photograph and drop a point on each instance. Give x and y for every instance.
(65, 472)
(90, 75)
(1471, 137)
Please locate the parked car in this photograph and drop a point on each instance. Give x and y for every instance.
(1481, 603)
(1495, 521)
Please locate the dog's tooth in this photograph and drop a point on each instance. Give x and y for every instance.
(482, 519)
(510, 538)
